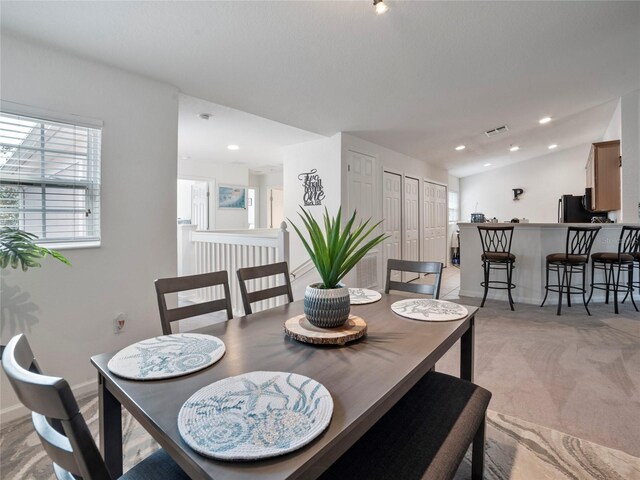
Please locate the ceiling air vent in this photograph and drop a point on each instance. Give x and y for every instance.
(496, 131)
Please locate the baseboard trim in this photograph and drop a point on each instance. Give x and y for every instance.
(552, 300)
(18, 410)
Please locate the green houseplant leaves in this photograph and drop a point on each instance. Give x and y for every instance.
(18, 247)
(336, 251)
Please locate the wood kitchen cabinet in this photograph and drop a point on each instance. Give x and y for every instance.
(603, 176)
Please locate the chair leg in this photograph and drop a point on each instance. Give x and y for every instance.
(630, 289)
(569, 282)
(616, 286)
(546, 285)
(509, 277)
(561, 288)
(485, 266)
(477, 451)
(584, 289)
(593, 276)
(608, 280)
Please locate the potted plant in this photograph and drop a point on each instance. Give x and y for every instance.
(18, 247)
(334, 252)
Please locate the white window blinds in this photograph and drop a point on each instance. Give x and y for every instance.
(50, 178)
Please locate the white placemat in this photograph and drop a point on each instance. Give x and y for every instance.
(255, 415)
(429, 310)
(360, 296)
(167, 356)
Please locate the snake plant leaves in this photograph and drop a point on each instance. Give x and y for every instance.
(336, 250)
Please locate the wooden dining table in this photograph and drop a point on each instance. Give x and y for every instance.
(365, 379)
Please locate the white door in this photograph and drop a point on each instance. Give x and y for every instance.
(434, 231)
(275, 213)
(440, 252)
(391, 220)
(410, 222)
(360, 196)
(200, 205)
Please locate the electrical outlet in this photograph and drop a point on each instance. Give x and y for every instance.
(119, 322)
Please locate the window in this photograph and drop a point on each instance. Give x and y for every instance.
(50, 178)
(454, 211)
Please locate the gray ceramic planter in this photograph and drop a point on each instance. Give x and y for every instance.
(326, 307)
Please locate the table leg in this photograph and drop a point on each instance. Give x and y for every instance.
(466, 352)
(110, 415)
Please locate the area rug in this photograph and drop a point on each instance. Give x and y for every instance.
(516, 450)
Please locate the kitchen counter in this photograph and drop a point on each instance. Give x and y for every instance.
(531, 243)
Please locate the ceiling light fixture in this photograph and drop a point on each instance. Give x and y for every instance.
(205, 116)
(552, 146)
(514, 148)
(233, 147)
(460, 147)
(544, 120)
(487, 164)
(380, 6)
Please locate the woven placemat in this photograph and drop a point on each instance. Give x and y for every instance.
(300, 329)
(167, 356)
(255, 415)
(362, 296)
(429, 310)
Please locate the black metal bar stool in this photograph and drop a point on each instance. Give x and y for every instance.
(613, 264)
(572, 262)
(635, 281)
(496, 255)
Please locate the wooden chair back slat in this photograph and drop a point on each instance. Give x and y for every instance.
(192, 282)
(429, 268)
(252, 273)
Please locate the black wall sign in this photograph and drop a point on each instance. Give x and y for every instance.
(313, 192)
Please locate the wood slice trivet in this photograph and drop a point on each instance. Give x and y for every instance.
(300, 329)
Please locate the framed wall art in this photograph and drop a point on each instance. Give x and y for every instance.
(232, 197)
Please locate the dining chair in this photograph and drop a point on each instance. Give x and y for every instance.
(260, 272)
(192, 282)
(423, 436)
(427, 268)
(61, 427)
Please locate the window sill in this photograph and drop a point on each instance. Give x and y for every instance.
(70, 245)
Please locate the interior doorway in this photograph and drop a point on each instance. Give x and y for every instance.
(275, 212)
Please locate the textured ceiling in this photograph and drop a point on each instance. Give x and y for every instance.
(420, 79)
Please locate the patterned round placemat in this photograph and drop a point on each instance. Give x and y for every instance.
(361, 296)
(255, 415)
(167, 356)
(429, 310)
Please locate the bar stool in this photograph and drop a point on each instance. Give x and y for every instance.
(496, 255)
(634, 283)
(573, 261)
(614, 263)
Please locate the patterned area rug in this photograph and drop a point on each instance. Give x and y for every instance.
(516, 450)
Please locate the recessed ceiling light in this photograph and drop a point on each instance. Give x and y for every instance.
(552, 146)
(514, 148)
(544, 120)
(233, 147)
(205, 116)
(460, 147)
(380, 6)
(487, 164)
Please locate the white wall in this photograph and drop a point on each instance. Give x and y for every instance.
(630, 152)
(68, 312)
(324, 156)
(218, 174)
(544, 179)
(266, 182)
(614, 129)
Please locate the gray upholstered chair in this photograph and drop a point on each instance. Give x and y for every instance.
(61, 427)
(427, 268)
(263, 271)
(192, 282)
(424, 436)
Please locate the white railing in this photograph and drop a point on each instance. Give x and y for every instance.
(230, 250)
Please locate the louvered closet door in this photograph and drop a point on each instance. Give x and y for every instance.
(410, 224)
(361, 180)
(428, 222)
(440, 252)
(391, 220)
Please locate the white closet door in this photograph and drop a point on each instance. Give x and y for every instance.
(391, 220)
(428, 222)
(410, 223)
(441, 224)
(361, 180)
(200, 205)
